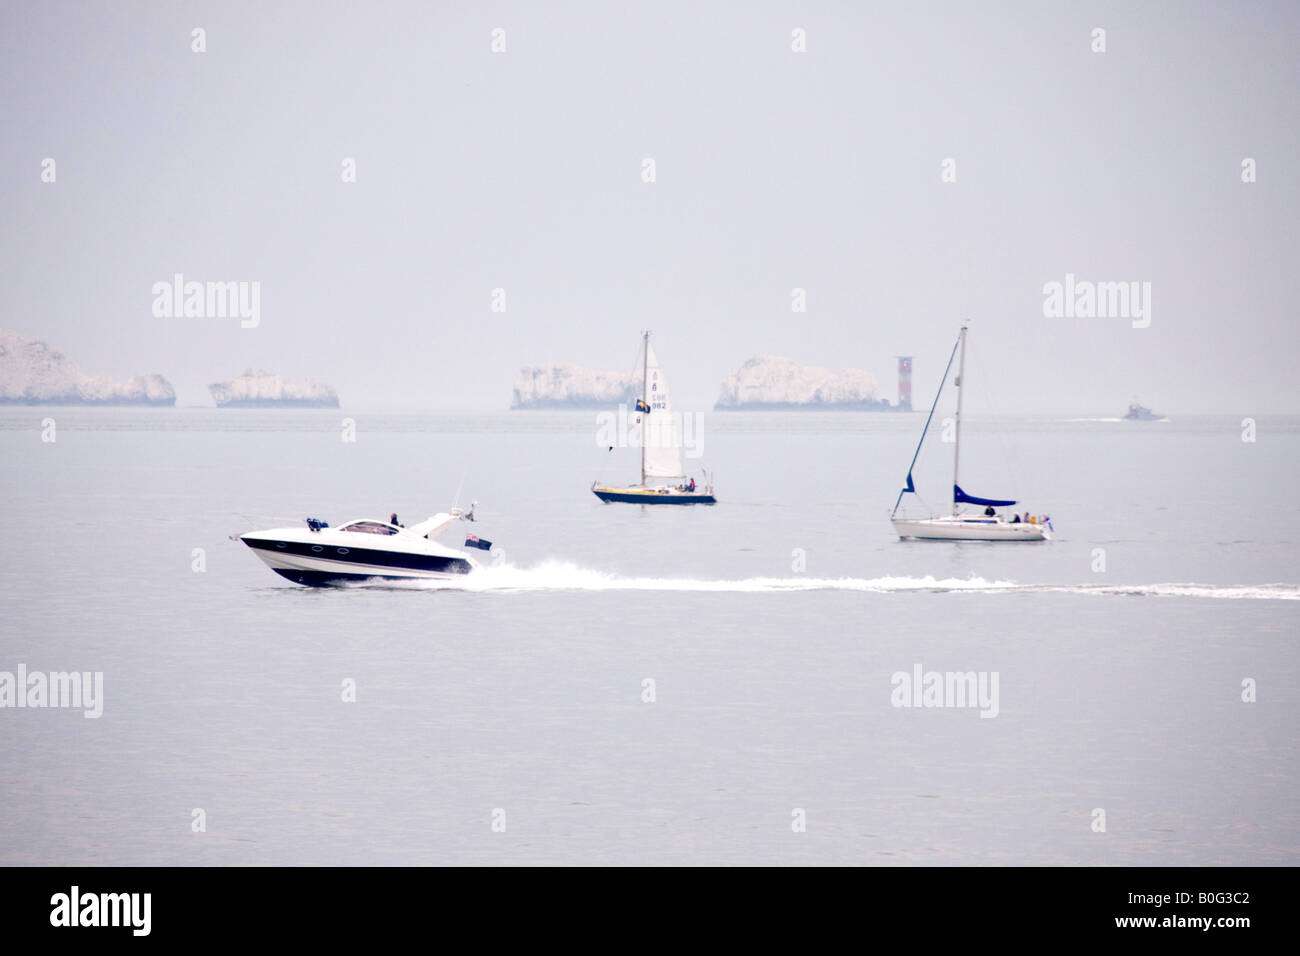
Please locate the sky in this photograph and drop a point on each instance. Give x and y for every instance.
(524, 170)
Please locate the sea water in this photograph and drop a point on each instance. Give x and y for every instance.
(635, 685)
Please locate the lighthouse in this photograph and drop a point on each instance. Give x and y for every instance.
(905, 382)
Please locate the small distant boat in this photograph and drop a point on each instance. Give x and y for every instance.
(1138, 413)
(318, 555)
(662, 481)
(964, 526)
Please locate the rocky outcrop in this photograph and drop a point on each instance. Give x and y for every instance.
(33, 373)
(261, 389)
(571, 386)
(773, 383)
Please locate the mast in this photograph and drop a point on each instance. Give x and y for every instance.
(645, 397)
(956, 452)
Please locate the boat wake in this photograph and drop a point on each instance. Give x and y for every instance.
(565, 576)
(559, 575)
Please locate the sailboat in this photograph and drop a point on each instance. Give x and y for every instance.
(988, 525)
(661, 452)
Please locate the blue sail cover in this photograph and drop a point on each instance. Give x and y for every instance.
(960, 497)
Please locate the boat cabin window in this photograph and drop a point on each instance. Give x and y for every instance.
(369, 527)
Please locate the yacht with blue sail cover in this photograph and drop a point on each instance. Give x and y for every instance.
(988, 525)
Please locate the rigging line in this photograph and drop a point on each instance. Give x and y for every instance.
(928, 419)
(925, 505)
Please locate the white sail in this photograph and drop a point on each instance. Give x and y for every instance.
(663, 447)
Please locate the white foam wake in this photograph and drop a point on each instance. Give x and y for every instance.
(1256, 592)
(562, 575)
(565, 576)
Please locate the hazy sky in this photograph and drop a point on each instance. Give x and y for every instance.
(775, 170)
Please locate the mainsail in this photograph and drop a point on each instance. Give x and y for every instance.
(662, 457)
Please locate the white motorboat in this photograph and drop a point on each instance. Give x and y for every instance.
(1140, 413)
(364, 548)
(990, 525)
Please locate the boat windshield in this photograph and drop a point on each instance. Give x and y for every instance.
(369, 527)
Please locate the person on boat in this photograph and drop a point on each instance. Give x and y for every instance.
(392, 519)
(691, 486)
(989, 512)
(1015, 519)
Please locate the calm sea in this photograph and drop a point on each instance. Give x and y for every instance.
(651, 686)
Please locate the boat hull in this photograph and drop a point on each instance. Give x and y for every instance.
(653, 496)
(317, 563)
(969, 529)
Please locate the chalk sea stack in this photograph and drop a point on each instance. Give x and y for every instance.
(33, 373)
(774, 383)
(559, 385)
(257, 388)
